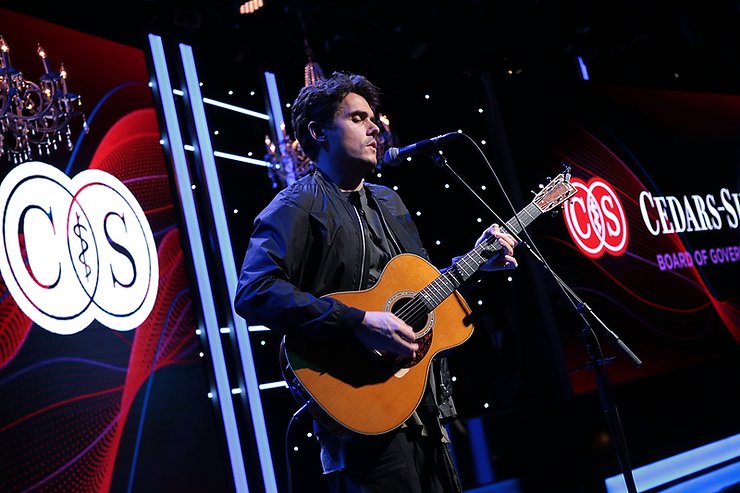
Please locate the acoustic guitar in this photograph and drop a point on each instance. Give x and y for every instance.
(350, 388)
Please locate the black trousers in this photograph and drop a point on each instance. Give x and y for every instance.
(402, 462)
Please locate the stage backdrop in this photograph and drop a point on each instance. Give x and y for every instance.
(101, 379)
(651, 243)
(653, 237)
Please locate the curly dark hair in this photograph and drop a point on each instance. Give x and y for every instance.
(320, 101)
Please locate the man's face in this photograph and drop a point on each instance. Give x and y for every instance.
(352, 135)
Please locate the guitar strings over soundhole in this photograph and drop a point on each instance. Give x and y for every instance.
(415, 314)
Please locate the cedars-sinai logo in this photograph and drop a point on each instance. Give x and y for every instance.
(595, 219)
(74, 250)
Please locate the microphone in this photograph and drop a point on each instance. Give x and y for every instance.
(393, 156)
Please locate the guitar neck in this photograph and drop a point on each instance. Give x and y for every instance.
(467, 265)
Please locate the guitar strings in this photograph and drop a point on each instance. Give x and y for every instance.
(416, 309)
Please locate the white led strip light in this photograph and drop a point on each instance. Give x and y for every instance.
(227, 260)
(223, 389)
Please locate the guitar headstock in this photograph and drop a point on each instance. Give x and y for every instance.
(555, 193)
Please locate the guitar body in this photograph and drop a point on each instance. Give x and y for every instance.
(348, 386)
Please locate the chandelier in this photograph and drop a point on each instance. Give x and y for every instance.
(35, 116)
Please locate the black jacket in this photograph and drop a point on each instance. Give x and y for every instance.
(308, 242)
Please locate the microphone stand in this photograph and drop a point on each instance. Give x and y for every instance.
(588, 335)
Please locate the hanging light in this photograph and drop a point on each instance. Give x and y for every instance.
(35, 117)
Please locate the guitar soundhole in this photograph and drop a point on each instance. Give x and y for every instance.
(418, 317)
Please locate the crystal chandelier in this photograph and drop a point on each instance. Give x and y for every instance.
(35, 116)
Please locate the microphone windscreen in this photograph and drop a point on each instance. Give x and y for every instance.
(391, 157)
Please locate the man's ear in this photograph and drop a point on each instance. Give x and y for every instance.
(317, 133)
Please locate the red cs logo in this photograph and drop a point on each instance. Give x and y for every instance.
(595, 219)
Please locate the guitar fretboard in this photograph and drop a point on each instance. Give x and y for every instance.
(445, 284)
(426, 300)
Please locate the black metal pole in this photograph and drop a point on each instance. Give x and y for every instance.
(609, 406)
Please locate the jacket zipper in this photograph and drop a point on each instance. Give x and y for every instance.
(364, 247)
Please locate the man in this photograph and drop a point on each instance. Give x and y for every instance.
(329, 232)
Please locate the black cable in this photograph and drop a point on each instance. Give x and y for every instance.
(287, 447)
(593, 344)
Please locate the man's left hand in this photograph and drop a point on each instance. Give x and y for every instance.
(505, 258)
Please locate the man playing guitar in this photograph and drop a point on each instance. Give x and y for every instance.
(332, 235)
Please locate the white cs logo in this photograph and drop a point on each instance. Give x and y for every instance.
(76, 250)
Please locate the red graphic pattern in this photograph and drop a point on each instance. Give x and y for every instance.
(80, 431)
(682, 297)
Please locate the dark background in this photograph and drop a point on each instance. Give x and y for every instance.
(686, 44)
(517, 61)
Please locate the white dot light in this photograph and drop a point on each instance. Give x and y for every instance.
(480, 110)
(480, 302)
(192, 187)
(215, 132)
(447, 185)
(479, 220)
(485, 405)
(295, 449)
(236, 211)
(231, 93)
(251, 93)
(201, 354)
(454, 379)
(509, 278)
(438, 242)
(418, 213)
(426, 96)
(482, 187)
(395, 187)
(210, 395)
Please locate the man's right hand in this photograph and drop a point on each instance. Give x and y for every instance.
(385, 331)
